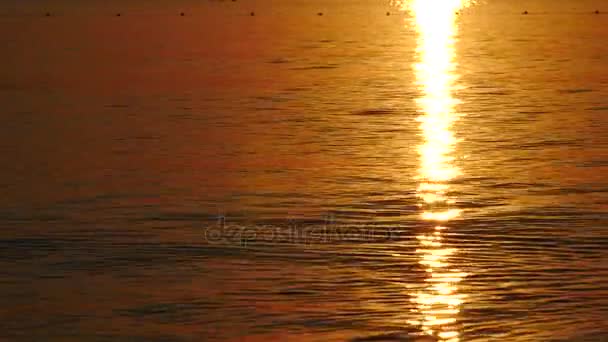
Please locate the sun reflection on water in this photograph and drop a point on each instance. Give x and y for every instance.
(438, 302)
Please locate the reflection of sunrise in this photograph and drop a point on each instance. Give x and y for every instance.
(435, 22)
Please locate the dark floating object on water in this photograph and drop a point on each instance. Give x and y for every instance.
(118, 14)
(48, 14)
(182, 14)
(252, 14)
(597, 12)
(388, 13)
(525, 12)
(320, 14)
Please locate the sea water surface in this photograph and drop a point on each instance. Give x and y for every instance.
(256, 171)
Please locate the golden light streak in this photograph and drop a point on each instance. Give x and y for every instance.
(440, 215)
(438, 303)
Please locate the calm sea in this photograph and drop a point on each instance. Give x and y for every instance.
(257, 171)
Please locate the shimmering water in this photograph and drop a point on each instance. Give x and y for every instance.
(359, 175)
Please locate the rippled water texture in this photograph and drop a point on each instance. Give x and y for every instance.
(374, 173)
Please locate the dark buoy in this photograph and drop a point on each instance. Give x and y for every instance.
(597, 12)
(388, 13)
(182, 14)
(48, 14)
(525, 12)
(118, 14)
(320, 14)
(252, 14)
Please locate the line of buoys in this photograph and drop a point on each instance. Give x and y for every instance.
(320, 14)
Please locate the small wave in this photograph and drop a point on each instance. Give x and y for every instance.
(375, 111)
(279, 61)
(599, 108)
(180, 99)
(404, 337)
(535, 112)
(317, 67)
(296, 89)
(575, 91)
(264, 109)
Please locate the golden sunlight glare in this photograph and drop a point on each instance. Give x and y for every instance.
(438, 302)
